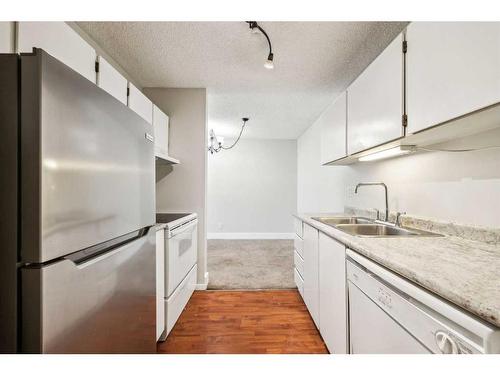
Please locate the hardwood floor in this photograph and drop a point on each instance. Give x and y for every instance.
(253, 322)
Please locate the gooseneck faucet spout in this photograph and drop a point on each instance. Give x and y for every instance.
(385, 189)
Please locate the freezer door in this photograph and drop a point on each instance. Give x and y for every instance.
(87, 162)
(105, 304)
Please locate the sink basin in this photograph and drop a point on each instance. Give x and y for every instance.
(334, 221)
(380, 230)
(363, 227)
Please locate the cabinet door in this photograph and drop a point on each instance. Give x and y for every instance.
(6, 37)
(333, 130)
(160, 283)
(375, 101)
(332, 294)
(453, 68)
(60, 41)
(311, 274)
(111, 81)
(160, 124)
(140, 104)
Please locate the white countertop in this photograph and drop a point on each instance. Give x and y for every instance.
(462, 271)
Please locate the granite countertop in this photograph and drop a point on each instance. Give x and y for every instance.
(460, 270)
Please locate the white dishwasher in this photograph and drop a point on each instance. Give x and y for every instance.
(391, 315)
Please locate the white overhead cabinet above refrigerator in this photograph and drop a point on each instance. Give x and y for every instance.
(60, 41)
(139, 103)
(452, 68)
(110, 80)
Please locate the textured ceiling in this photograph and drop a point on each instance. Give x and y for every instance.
(314, 61)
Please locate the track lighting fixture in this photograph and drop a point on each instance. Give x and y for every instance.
(216, 144)
(255, 28)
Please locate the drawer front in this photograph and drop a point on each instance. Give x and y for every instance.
(299, 263)
(299, 281)
(178, 300)
(298, 244)
(299, 227)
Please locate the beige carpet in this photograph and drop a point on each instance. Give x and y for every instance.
(250, 264)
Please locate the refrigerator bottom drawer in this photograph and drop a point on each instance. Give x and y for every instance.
(104, 305)
(175, 304)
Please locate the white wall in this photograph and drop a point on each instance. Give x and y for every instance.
(458, 187)
(252, 189)
(182, 188)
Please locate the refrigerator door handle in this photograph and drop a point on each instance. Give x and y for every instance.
(94, 254)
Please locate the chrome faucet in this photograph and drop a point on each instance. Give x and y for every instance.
(385, 189)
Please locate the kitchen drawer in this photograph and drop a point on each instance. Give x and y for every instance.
(299, 263)
(299, 281)
(175, 304)
(299, 227)
(298, 244)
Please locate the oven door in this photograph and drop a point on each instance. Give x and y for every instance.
(181, 254)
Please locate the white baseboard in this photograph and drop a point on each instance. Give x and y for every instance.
(203, 286)
(250, 236)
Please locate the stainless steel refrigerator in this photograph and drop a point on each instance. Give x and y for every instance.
(77, 257)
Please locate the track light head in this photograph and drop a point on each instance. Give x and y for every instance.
(269, 64)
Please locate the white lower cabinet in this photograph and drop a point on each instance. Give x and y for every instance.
(299, 281)
(333, 295)
(160, 283)
(311, 272)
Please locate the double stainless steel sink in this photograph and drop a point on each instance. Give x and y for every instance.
(363, 227)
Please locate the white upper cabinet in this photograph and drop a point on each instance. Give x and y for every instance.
(60, 41)
(453, 68)
(375, 101)
(160, 124)
(333, 130)
(140, 104)
(110, 80)
(6, 37)
(332, 294)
